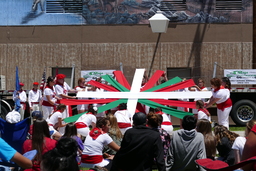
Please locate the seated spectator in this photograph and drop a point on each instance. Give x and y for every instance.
(250, 149)
(140, 146)
(204, 126)
(115, 133)
(239, 142)
(62, 157)
(154, 122)
(7, 153)
(94, 143)
(225, 140)
(40, 141)
(187, 145)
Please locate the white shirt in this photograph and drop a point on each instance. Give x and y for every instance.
(222, 94)
(85, 89)
(22, 95)
(34, 96)
(203, 115)
(88, 119)
(239, 144)
(95, 147)
(54, 119)
(49, 92)
(62, 89)
(123, 116)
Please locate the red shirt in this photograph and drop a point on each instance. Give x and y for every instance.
(49, 144)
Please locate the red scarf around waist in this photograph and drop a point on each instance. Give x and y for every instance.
(80, 125)
(91, 159)
(123, 125)
(46, 103)
(226, 104)
(166, 123)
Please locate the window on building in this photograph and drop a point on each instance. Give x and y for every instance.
(173, 5)
(64, 6)
(180, 72)
(65, 71)
(229, 5)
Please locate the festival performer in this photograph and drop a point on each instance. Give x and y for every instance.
(86, 120)
(94, 143)
(62, 89)
(199, 87)
(34, 97)
(123, 118)
(185, 109)
(166, 123)
(21, 94)
(55, 121)
(102, 114)
(225, 82)
(49, 98)
(221, 97)
(202, 113)
(82, 87)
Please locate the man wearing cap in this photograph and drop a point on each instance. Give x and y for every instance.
(62, 89)
(34, 97)
(139, 148)
(22, 96)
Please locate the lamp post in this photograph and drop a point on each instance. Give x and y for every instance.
(159, 24)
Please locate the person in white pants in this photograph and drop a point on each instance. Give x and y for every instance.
(22, 96)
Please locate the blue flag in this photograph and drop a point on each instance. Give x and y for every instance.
(17, 89)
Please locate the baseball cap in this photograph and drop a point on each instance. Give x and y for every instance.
(37, 114)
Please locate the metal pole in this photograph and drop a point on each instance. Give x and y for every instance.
(152, 62)
(214, 70)
(121, 67)
(72, 75)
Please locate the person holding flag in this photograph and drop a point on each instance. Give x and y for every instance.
(20, 96)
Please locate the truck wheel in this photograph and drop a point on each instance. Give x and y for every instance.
(4, 112)
(243, 111)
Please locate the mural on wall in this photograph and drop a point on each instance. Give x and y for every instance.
(96, 12)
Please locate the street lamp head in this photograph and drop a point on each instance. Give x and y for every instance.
(159, 23)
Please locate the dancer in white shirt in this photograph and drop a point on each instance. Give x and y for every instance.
(123, 118)
(22, 96)
(34, 98)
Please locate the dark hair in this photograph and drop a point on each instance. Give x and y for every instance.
(204, 126)
(139, 118)
(101, 122)
(227, 81)
(62, 157)
(216, 82)
(50, 79)
(200, 103)
(160, 119)
(189, 122)
(40, 130)
(91, 110)
(61, 106)
(158, 109)
(153, 120)
(70, 130)
(122, 106)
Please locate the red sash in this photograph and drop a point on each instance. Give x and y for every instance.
(80, 125)
(34, 103)
(46, 103)
(226, 104)
(123, 125)
(166, 123)
(91, 159)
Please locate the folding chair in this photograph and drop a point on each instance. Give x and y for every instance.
(15, 133)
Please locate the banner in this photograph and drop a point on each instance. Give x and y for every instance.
(241, 76)
(94, 74)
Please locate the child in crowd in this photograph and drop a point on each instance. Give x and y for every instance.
(202, 113)
(55, 121)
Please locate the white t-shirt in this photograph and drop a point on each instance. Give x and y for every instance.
(203, 115)
(95, 147)
(88, 119)
(123, 116)
(34, 96)
(50, 93)
(62, 89)
(222, 94)
(22, 95)
(54, 118)
(239, 144)
(166, 117)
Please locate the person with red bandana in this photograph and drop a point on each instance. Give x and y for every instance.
(98, 137)
(21, 94)
(220, 96)
(34, 97)
(62, 89)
